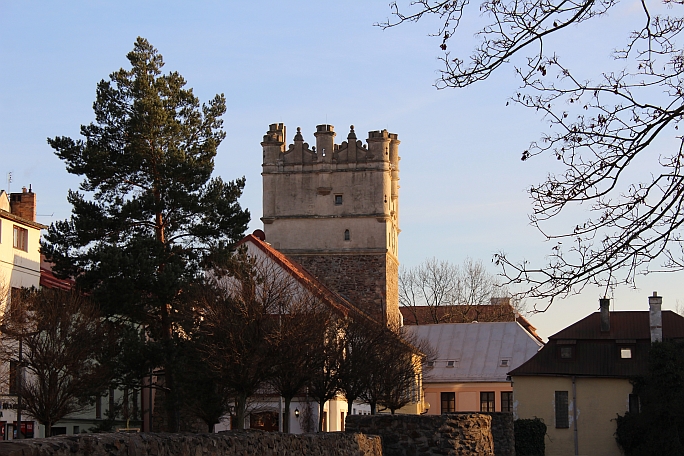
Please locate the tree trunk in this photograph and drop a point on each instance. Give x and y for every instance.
(210, 428)
(286, 417)
(48, 429)
(321, 406)
(240, 405)
(373, 407)
(169, 383)
(350, 404)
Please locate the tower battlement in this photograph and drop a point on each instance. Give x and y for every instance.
(335, 209)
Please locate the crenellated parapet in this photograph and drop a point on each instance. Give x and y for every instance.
(378, 148)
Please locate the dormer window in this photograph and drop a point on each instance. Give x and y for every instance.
(566, 352)
(338, 200)
(451, 363)
(504, 363)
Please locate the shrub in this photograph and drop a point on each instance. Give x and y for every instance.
(529, 437)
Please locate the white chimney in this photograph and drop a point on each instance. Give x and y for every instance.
(655, 317)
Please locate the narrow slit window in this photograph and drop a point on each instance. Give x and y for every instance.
(562, 410)
(347, 236)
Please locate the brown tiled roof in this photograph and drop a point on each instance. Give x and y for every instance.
(487, 313)
(303, 276)
(22, 220)
(623, 325)
(596, 353)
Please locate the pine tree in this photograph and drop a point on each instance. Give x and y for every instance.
(148, 216)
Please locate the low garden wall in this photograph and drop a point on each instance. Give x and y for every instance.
(463, 434)
(225, 443)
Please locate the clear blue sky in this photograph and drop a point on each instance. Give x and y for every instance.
(305, 63)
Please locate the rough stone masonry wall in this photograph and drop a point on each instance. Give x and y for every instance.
(502, 433)
(241, 443)
(362, 279)
(462, 434)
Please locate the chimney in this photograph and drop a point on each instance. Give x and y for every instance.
(604, 304)
(24, 204)
(655, 317)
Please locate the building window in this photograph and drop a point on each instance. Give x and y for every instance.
(451, 363)
(20, 238)
(504, 363)
(487, 401)
(448, 402)
(633, 403)
(626, 353)
(506, 401)
(430, 364)
(566, 352)
(347, 236)
(562, 421)
(338, 200)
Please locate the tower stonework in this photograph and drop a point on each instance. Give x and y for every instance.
(334, 208)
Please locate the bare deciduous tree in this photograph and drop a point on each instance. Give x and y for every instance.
(67, 351)
(451, 293)
(602, 126)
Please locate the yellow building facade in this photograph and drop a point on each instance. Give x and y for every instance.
(593, 404)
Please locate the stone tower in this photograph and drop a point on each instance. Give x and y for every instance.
(335, 210)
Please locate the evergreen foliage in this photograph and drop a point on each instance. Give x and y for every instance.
(658, 427)
(529, 437)
(148, 216)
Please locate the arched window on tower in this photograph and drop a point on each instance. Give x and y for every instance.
(347, 236)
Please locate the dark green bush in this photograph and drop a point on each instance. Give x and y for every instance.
(658, 428)
(529, 437)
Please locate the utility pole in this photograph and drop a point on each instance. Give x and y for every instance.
(20, 384)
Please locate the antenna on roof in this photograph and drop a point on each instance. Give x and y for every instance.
(9, 181)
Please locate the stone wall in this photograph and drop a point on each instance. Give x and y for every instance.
(368, 281)
(462, 434)
(503, 433)
(245, 443)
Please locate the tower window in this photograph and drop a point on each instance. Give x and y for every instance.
(347, 236)
(338, 200)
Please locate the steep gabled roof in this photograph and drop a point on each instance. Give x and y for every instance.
(597, 354)
(308, 281)
(477, 350)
